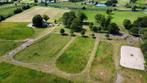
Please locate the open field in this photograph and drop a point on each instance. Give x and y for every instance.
(75, 58)
(15, 74)
(103, 69)
(44, 50)
(15, 31)
(6, 46)
(26, 16)
(118, 16)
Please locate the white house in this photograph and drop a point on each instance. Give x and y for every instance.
(46, 1)
(5, 0)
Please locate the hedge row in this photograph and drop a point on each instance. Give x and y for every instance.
(16, 11)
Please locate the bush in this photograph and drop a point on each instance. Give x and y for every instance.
(127, 24)
(84, 8)
(141, 21)
(1, 18)
(134, 31)
(18, 10)
(62, 31)
(83, 33)
(45, 17)
(25, 7)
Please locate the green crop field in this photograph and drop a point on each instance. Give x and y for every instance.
(44, 50)
(15, 74)
(76, 56)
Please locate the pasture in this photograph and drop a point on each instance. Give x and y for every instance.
(44, 50)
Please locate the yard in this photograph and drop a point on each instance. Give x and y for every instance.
(75, 58)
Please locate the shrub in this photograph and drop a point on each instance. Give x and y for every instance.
(127, 24)
(25, 7)
(1, 18)
(45, 17)
(18, 10)
(62, 31)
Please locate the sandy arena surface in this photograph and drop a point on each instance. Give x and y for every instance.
(132, 57)
(26, 16)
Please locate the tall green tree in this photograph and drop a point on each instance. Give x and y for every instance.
(127, 24)
(113, 28)
(81, 16)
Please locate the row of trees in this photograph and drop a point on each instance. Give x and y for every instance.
(104, 24)
(16, 11)
(134, 28)
(74, 21)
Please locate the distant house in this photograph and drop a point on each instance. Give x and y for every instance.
(46, 1)
(5, 0)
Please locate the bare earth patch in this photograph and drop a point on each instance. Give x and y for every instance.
(26, 16)
(132, 57)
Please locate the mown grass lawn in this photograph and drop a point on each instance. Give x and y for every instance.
(15, 74)
(102, 69)
(14, 31)
(6, 46)
(44, 50)
(76, 56)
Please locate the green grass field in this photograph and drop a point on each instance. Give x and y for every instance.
(15, 31)
(15, 74)
(8, 11)
(103, 67)
(44, 50)
(118, 16)
(76, 56)
(6, 46)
